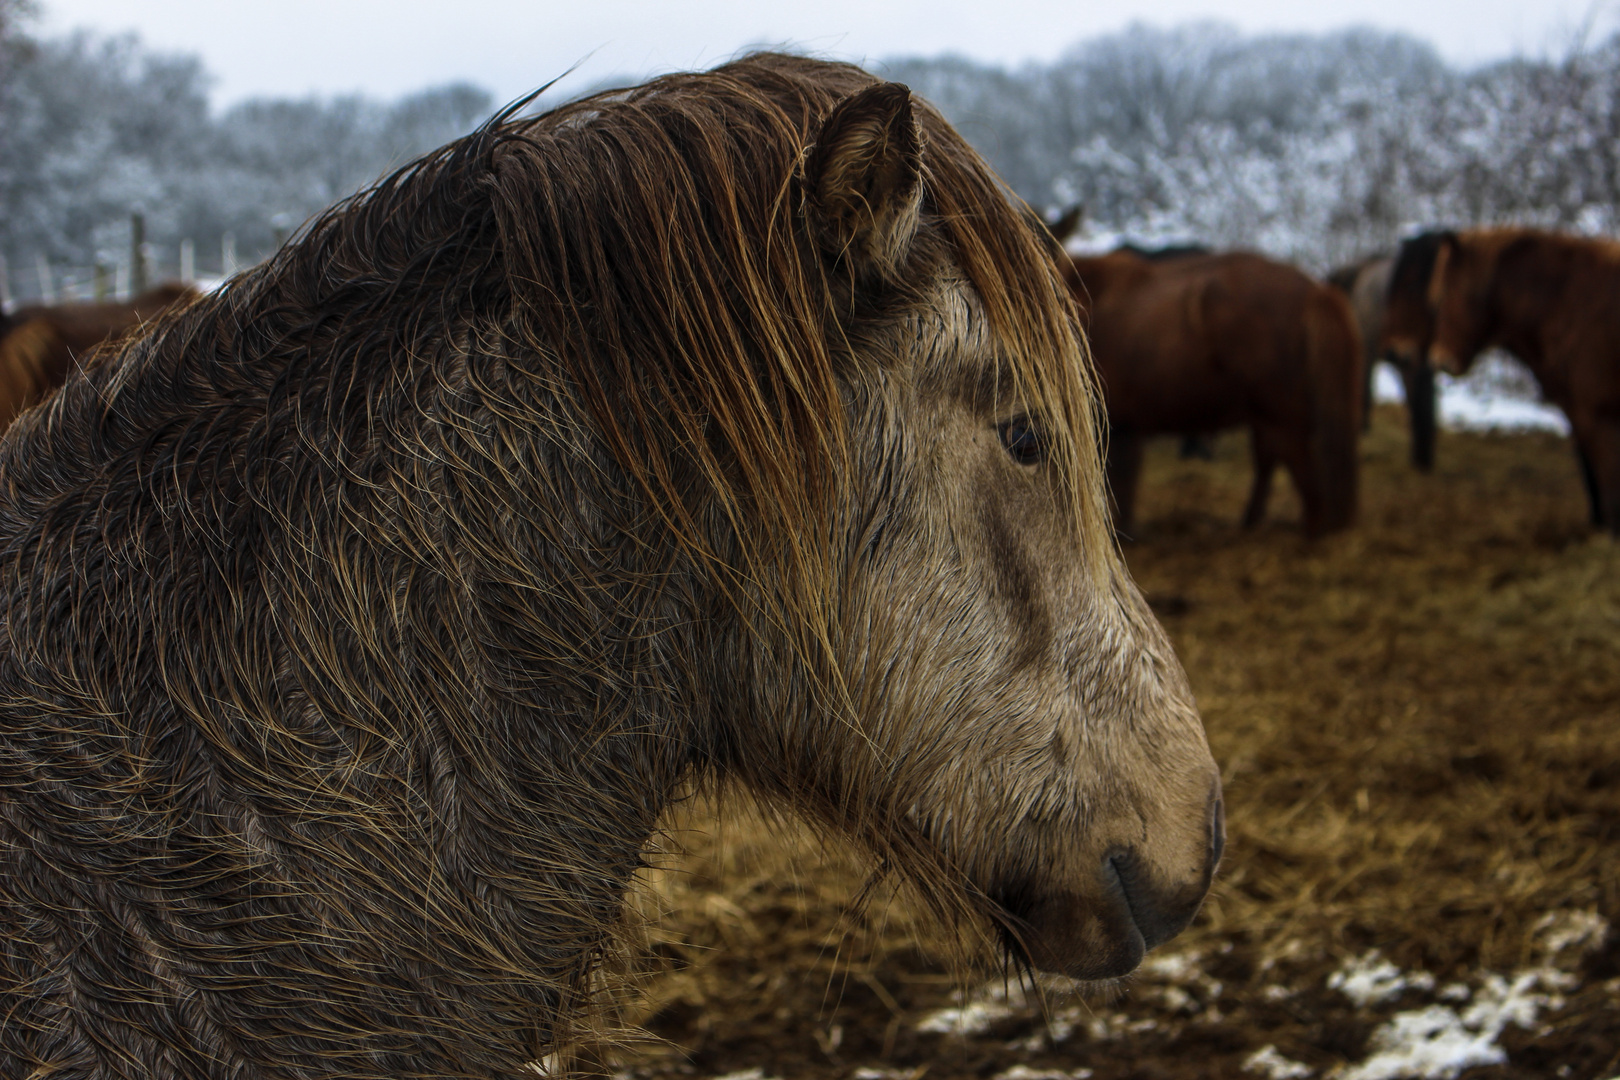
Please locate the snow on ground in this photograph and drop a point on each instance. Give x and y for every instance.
(1448, 1030)
(1370, 979)
(1497, 395)
(1437, 1042)
(1274, 1066)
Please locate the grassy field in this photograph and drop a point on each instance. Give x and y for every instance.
(1419, 728)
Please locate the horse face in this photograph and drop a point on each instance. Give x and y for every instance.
(1014, 684)
(1012, 704)
(1457, 296)
(1408, 322)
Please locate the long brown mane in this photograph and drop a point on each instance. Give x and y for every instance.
(537, 220)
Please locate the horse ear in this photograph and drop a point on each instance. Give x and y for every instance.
(1069, 223)
(863, 180)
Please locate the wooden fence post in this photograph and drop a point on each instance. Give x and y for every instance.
(137, 253)
(102, 289)
(5, 286)
(47, 290)
(188, 261)
(227, 254)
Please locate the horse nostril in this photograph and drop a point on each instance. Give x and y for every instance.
(1217, 832)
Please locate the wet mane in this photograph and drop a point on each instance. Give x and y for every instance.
(553, 227)
(1414, 265)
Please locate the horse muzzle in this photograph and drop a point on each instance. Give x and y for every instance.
(1103, 929)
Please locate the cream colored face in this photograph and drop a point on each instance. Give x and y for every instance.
(1014, 686)
(1004, 718)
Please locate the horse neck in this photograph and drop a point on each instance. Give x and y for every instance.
(1528, 280)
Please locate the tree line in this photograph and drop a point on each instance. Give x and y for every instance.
(1314, 148)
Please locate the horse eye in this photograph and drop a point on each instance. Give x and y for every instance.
(1023, 440)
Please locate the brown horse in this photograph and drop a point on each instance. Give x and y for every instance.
(1203, 343)
(1367, 285)
(361, 619)
(1553, 301)
(42, 343)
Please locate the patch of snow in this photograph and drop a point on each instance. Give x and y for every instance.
(1455, 992)
(1277, 993)
(1387, 387)
(744, 1074)
(1369, 979)
(1581, 930)
(1461, 411)
(870, 1073)
(1498, 395)
(1173, 967)
(1432, 1043)
(974, 1018)
(1178, 1000)
(1024, 1072)
(1276, 1067)
(1117, 1025)
(1436, 1043)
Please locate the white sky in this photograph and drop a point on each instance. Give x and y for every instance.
(389, 47)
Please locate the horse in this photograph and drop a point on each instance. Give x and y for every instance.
(41, 343)
(360, 620)
(1367, 285)
(1548, 299)
(1194, 444)
(1202, 343)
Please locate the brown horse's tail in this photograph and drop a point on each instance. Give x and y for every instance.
(1334, 363)
(31, 359)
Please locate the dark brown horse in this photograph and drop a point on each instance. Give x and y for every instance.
(1367, 285)
(361, 619)
(1551, 300)
(41, 343)
(1203, 343)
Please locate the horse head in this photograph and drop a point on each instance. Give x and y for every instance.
(1006, 723)
(1408, 326)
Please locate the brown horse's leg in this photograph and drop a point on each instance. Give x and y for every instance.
(1599, 454)
(1368, 368)
(1124, 471)
(1594, 497)
(1263, 451)
(1421, 407)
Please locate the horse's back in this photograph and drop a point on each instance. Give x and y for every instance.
(1199, 342)
(1569, 287)
(33, 356)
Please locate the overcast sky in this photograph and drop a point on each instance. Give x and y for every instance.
(389, 47)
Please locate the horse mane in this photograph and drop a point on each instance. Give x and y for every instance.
(1414, 265)
(681, 176)
(619, 238)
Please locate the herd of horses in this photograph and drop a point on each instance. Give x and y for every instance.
(359, 620)
(1187, 341)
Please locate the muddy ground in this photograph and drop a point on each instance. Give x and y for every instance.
(1419, 729)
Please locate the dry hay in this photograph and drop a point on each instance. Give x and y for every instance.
(1419, 724)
